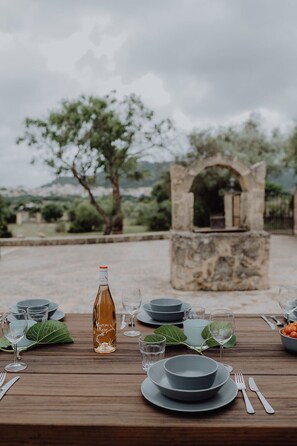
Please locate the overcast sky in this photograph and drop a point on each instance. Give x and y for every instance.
(199, 62)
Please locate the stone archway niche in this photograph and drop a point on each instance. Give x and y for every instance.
(219, 260)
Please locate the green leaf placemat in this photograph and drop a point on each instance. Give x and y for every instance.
(175, 336)
(49, 332)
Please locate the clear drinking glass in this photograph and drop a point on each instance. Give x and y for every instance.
(194, 322)
(14, 326)
(222, 327)
(38, 314)
(152, 349)
(131, 301)
(287, 299)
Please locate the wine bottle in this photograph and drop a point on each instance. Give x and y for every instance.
(104, 317)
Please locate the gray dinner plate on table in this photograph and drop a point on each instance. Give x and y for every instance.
(158, 376)
(224, 396)
(57, 316)
(146, 319)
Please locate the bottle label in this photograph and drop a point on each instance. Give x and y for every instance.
(105, 338)
(103, 276)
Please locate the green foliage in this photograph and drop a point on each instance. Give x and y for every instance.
(271, 189)
(291, 150)
(175, 336)
(49, 332)
(91, 134)
(248, 142)
(4, 212)
(159, 218)
(162, 189)
(155, 212)
(84, 218)
(213, 343)
(52, 212)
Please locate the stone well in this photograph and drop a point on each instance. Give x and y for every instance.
(222, 260)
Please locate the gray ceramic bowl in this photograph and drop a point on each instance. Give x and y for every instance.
(24, 304)
(190, 371)
(171, 316)
(166, 305)
(157, 375)
(288, 343)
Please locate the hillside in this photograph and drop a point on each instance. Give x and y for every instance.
(152, 173)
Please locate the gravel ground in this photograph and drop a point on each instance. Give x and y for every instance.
(68, 275)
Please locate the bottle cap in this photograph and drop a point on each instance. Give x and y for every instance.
(103, 267)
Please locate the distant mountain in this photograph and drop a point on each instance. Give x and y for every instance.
(152, 171)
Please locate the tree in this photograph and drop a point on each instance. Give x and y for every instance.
(291, 150)
(4, 231)
(52, 212)
(249, 142)
(88, 134)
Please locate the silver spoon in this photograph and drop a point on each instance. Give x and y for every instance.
(278, 323)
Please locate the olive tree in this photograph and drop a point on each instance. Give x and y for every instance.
(89, 134)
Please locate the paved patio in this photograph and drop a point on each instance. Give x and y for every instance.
(69, 275)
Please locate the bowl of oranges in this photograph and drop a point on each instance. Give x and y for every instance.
(288, 336)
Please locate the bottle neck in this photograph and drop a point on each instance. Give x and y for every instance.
(103, 277)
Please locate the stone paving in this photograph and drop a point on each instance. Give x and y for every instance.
(68, 275)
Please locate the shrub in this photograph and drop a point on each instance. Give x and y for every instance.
(4, 231)
(160, 217)
(52, 212)
(84, 218)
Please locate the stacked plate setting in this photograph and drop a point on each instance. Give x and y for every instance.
(166, 310)
(53, 312)
(189, 383)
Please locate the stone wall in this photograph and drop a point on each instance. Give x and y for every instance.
(84, 240)
(219, 261)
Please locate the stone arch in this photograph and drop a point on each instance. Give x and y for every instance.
(251, 179)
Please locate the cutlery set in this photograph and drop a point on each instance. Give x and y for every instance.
(239, 381)
(4, 388)
(271, 324)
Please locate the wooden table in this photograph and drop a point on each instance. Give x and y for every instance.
(71, 396)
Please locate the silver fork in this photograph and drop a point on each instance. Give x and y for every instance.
(2, 378)
(239, 381)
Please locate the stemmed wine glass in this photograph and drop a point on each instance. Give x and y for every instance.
(131, 300)
(287, 301)
(222, 327)
(14, 326)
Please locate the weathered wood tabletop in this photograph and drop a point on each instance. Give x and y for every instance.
(70, 395)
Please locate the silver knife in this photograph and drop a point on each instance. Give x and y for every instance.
(8, 386)
(271, 325)
(254, 388)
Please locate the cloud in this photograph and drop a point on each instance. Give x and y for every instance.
(197, 61)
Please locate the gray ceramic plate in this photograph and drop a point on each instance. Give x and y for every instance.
(223, 397)
(157, 375)
(171, 316)
(146, 319)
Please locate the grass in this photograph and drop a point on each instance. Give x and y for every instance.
(31, 229)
